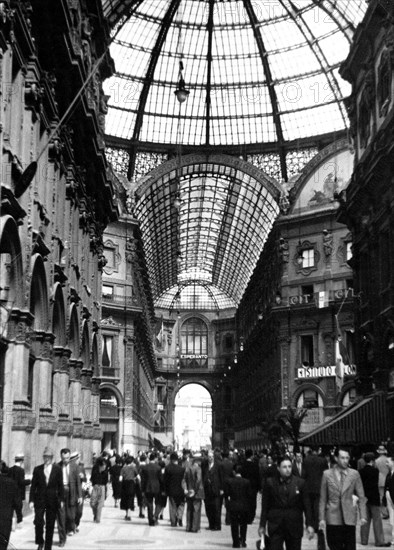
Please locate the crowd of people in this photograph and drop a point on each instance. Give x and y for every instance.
(318, 491)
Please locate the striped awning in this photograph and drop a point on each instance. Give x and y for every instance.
(364, 422)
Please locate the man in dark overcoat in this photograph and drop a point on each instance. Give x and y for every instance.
(213, 489)
(46, 497)
(150, 486)
(72, 496)
(284, 503)
(173, 478)
(10, 502)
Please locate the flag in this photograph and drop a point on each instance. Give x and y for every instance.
(159, 336)
(322, 299)
(341, 356)
(156, 416)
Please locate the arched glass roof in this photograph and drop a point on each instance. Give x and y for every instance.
(257, 72)
(210, 243)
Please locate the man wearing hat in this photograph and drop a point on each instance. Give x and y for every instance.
(46, 497)
(72, 496)
(17, 473)
(75, 458)
(381, 465)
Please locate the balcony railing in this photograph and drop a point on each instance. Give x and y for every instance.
(317, 299)
(109, 372)
(119, 299)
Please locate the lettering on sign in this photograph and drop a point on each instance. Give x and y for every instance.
(323, 372)
(194, 356)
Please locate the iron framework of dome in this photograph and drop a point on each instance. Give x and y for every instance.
(260, 74)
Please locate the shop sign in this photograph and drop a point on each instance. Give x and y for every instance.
(188, 356)
(323, 372)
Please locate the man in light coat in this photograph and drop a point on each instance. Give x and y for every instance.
(341, 496)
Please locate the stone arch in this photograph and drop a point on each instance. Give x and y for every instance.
(11, 267)
(95, 355)
(307, 386)
(186, 161)
(39, 294)
(73, 333)
(58, 316)
(345, 388)
(85, 347)
(115, 390)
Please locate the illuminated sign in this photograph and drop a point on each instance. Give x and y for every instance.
(323, 372)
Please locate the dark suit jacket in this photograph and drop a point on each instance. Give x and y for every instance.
(314, 467)
(295, 471)
(75, 483)
(18, 475)
(227, 467)
(240, 494)
(251, 471)
(213, 481)
(389, 485)
(370, 478)
(10, 501)
(173, 477)
(150, 478)
(43, 495)
(193, 481)
(283, 506)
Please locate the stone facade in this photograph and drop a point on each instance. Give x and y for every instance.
(56, 200)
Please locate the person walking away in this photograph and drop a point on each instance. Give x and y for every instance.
(284, 503)
(213, 489)
(150, 486)
(46, 497)
(141, 463)
(161, 500)
(314, 466)
(240, 497)
(227, 467)
(99, 480)
(17, 473)
(76, 458)
(194, 491)
(340, 496)
(116, 483)
(173, 477)
(370, 478)
(381, 465)
(389, 494)
(250, 471)
(127, 479)
(10, 502)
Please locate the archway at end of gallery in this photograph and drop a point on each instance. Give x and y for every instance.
(193, 418)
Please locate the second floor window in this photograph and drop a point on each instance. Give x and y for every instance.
(307, 355)
(308, 258)
(106, 359)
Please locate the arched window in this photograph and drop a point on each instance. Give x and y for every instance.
(108, 404)
(310, 399)
(194, 343)
(349, 397)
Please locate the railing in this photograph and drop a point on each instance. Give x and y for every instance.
(120, 299)
(109, 372)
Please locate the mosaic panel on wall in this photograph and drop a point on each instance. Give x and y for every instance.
(297, 159)
(119, 158)
(269, 163)
(146, 161)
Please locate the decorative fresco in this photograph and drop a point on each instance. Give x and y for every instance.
(330, 176)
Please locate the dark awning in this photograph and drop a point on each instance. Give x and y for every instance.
(364, 422)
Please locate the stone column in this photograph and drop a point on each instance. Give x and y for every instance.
(61, 404)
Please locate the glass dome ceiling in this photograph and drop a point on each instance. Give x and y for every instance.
(257, 72)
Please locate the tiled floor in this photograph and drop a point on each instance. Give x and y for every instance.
(115, 533)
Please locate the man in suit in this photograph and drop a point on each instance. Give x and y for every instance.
(298, 464)
(213, 489)
(283, 506)
(227, 466)
(46, 497)
(314, 466)
(72, 496)
(381, 465)
(10, 502)
(250, 471)
(17, 473)
(389, 494)
(75, 457)
(173, 477)
(341, 493)
(370, 478)
(240, 497)
(194, 491)
(150, 486)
